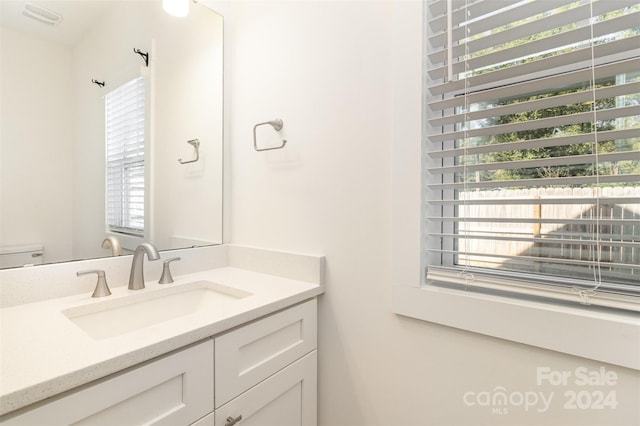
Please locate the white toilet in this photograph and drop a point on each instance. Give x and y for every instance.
(21, 255)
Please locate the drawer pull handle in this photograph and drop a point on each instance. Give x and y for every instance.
(233, 420)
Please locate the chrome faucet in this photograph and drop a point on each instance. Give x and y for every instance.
(136, 278)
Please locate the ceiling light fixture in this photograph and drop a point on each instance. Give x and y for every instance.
(177, 8)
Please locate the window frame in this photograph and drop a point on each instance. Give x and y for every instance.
(118, 78)
(122, 166)
(594, 333)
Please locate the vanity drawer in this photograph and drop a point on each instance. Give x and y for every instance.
(288, 398)
(246, 356)
(175, 389)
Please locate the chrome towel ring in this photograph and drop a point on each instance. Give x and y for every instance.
(277, 126)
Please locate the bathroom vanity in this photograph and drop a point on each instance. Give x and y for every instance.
(233, 342)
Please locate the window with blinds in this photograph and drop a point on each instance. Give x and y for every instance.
(124, 137)
(532, 147)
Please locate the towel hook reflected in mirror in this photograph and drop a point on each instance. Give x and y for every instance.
(277, 126)
(144, 55)
(196, 145)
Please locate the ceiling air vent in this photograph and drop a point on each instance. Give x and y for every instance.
(39, 13)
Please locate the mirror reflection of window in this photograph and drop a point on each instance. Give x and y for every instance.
(125, 143)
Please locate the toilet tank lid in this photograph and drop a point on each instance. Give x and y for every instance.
(21, 248)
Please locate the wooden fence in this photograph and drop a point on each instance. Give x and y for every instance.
(552, 229)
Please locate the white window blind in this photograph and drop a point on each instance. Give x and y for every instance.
(532, 147)
(124, 136)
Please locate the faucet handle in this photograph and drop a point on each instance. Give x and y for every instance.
(166, 277)
(102, 288)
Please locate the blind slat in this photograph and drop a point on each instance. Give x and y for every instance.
(532, 201)
(536, 259)
(557, 141)
(540, 123)
(576, 77)
(537, 182)
(548, 102)
(542, 162)
(531, 221)
(574, 239)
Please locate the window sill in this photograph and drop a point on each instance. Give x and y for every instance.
(603, 336)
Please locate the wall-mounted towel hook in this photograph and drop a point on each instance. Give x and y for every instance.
(196, 145)
(99, 83)
(145, 55)
(277, 126)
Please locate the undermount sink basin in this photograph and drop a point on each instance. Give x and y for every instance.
(112, 318)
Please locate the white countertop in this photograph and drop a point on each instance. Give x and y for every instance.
(43, 353)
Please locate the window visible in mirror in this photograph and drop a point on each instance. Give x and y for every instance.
(124, 142)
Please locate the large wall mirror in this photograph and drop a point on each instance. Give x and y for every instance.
(75, 89)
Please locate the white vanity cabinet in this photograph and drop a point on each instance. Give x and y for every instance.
(266, 371)
(175, 389)
(262, 373)
(288, 398)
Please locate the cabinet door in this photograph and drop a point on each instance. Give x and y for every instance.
(251, 353)
(288, 398)
(208, 420)
(176, 389)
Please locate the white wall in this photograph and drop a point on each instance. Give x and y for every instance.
(345, 78)
(36, 137)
